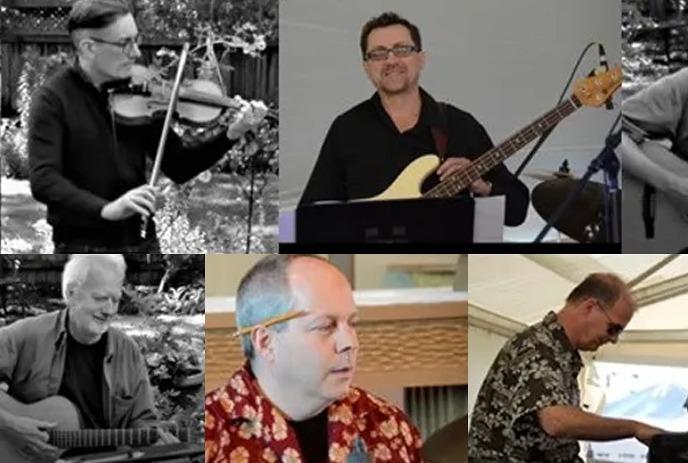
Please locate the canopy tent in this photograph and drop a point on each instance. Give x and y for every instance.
(659, 405)
(509, 292)
(662, 402)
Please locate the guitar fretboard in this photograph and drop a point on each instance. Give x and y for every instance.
(93, 438)
(465, 177)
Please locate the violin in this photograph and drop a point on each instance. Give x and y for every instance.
(148, 96)
(199, 103)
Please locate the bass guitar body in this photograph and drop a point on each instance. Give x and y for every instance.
(407, 184)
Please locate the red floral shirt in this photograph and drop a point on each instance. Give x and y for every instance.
(242, 426)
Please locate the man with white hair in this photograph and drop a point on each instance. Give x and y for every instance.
(293, 400)
(76, 354)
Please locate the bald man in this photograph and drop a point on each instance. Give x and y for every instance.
(293, 400)
(528, 407)
(76, 354)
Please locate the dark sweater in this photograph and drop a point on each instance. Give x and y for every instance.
(364, 152)
(81, 159)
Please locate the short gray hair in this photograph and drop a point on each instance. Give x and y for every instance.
(87, 15)
(96, 14)
(264, 293)
(606, 287)
(79, 265)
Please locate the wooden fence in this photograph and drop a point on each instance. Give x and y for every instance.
(46, 269)
(42, 27)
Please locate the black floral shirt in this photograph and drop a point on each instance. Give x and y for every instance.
(536, 368)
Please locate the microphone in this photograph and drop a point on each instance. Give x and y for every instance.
(604, 66)
(603, 57)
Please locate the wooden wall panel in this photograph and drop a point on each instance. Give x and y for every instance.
(424, 344)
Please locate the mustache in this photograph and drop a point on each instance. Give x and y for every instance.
(393, 67)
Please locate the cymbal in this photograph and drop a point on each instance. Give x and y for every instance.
(547, 174)
(582, 221)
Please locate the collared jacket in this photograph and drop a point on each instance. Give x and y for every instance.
(32, 359)
(243, 426)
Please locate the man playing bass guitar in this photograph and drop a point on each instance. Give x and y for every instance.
(370, 144)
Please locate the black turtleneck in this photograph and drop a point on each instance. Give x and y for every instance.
(312, 437)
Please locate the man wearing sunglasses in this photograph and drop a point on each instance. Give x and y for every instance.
(368, 146)
(528, 407)
(293, 401)
(87, 167)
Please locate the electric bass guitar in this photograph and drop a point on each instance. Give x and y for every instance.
(592, 91)
(68, 434)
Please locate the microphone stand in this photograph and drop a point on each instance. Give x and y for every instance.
(536, 147)
(608, 161)
(545, 135)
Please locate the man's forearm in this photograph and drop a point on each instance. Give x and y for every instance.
(574, 423)
(6, 419)
(4, 416)
(181, 163)
(51, 187)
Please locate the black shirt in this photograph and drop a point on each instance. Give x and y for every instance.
(364, 152)
(80, 159)
(312, 437)
(82, 380)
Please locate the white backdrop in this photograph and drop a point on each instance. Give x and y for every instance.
(506, 62)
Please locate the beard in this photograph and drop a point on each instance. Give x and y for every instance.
(395, 79)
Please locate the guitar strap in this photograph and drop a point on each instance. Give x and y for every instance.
(649, 208)
(439, 133)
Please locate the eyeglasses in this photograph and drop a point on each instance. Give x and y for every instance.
(126, 45)
(613, 328)
(400, 51)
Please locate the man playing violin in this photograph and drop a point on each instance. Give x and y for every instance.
(88, 168)
(398, 124)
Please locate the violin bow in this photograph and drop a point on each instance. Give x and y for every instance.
(166, 128)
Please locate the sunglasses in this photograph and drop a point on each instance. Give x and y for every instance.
(613, 328)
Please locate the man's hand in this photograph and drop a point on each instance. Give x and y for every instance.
(29, 437)
(165, 437)
(479, 188)
(249, 116)
(140, 200)
(645, 432)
